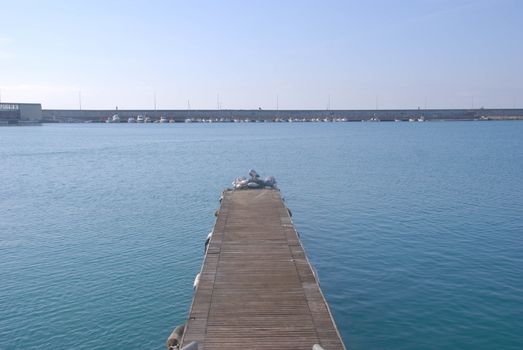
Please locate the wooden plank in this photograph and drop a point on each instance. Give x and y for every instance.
(257, 289)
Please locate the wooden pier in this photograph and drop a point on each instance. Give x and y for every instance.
(257, 289)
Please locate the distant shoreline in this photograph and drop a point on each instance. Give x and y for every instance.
(179, 116)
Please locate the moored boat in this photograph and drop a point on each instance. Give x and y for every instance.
(114, 119)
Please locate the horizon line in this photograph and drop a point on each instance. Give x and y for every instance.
(275, 110)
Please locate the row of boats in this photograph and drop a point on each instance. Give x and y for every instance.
(141, 119)
(414, 119)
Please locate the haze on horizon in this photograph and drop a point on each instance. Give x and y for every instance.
(360, 54)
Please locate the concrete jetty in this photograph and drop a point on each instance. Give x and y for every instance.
(78, 116)
(256, 288)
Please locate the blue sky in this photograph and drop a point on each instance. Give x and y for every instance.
(393, 54)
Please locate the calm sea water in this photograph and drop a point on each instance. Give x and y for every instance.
(416, 229)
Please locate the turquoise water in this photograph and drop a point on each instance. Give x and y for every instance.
(415, 228)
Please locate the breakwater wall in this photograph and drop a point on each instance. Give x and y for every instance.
(65, 115)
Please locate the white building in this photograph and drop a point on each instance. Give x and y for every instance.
(20, 113)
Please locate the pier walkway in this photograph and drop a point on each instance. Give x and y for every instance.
(256, 288)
